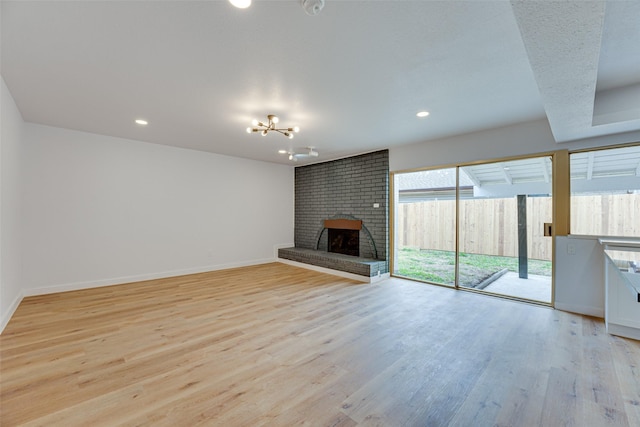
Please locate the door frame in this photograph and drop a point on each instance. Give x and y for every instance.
(560, 201)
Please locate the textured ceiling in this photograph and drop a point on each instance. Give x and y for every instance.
(564, 41)
(352, 77)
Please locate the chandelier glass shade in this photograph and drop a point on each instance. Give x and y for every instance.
(270, 126)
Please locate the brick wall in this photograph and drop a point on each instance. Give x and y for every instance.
(345, 188)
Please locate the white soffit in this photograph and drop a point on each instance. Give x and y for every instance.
(563, 43)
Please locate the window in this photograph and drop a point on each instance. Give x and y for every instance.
(605, 192)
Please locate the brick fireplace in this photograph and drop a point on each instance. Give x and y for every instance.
(348, 194)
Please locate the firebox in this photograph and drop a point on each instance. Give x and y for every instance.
(344, 241)
(344, 236)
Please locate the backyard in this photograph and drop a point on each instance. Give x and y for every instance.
(439, 266)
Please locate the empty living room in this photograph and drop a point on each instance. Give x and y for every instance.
(319, 213)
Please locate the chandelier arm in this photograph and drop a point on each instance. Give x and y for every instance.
(271, 126)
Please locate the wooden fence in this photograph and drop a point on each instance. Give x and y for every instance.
(490, 226)
(611, 215)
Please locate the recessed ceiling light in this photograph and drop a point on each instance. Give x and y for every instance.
(282, 151)
(241, 4)
(142, 122)
(423, 114)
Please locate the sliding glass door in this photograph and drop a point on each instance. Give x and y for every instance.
(479, 227)
(502, 242)
(425, 226)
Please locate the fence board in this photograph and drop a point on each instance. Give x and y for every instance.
(606, 215)
(489, 226)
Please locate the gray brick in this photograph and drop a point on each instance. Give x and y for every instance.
(348, 188)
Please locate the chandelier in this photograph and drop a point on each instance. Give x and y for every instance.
(264, 129)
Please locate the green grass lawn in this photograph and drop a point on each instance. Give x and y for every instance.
(439, 266)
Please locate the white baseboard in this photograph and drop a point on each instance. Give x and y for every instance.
(623, 331)
(344, 274)
(12, 309)
(580, 309)
(139, 278)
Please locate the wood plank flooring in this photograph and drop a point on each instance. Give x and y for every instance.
(282, 346)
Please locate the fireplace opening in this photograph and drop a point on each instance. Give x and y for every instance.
(344, 241)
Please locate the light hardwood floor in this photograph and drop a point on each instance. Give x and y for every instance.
(283, 346)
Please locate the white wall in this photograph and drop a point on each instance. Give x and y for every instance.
(11, 125)
(579, 262)
(100, 210)
(579, 280)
